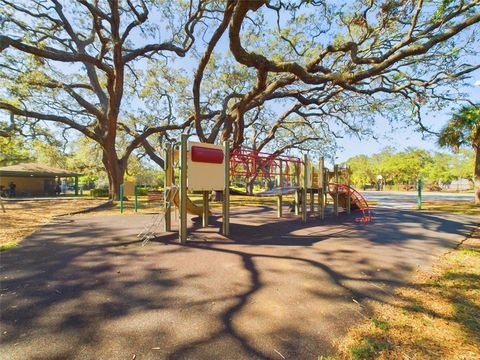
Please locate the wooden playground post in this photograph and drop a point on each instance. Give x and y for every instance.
(335, 200)
(311, 175)
(205, 209)
(226, 190)
(347, 175)
(135, 191)
(304, 188)
(312, 199)
(297, 184)
(326, 186)
(279, 197)
(167, 224)
(182, 228)
(321, 204)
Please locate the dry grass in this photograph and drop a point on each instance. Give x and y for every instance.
(437, 317)
(145, 207)
(24, 217)
(239, 200)
(451, 207)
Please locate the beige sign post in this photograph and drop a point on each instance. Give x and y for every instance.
(280, 184)
(321, 186)
(304, 188)
(335, 189)
(182, 226)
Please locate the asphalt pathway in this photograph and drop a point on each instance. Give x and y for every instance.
(84, 287)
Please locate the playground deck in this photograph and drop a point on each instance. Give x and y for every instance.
(84, 287)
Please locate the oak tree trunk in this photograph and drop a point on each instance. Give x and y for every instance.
(115, 170)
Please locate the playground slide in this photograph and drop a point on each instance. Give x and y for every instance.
(343, 201)
(357, 201)
(191, 207)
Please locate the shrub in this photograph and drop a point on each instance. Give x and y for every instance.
(99, 192)
(142, 191)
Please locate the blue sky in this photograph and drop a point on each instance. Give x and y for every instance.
(402, 138)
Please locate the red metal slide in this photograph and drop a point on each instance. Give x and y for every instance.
(357, 201)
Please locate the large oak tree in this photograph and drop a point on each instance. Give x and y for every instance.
(79, 65)
(319, 57)
(296, 71)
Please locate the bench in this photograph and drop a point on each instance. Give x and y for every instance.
(155, 195)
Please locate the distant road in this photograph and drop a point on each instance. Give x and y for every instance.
(407, 200)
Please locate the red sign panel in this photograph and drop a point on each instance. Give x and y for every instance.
(207, 155)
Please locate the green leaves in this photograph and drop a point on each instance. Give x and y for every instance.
(406, 166)
(14, 150)
(462, 130)
(444, 8)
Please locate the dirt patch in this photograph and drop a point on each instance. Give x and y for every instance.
(24, 217)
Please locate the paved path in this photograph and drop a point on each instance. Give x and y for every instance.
(408, 200)
(84, 287)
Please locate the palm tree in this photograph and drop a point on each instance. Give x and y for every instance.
(464, 130)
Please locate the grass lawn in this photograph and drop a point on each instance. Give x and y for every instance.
(24, 217)
(8, 245)
(436, 317)
(452, 207)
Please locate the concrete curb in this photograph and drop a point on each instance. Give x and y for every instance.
(105, 205)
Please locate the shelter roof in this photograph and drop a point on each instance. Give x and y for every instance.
(35, 170)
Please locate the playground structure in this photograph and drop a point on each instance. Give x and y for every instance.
(301, 178)
(207, 167)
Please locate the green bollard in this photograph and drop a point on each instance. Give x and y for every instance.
(121, 198)
(419, 197)
(135, 189)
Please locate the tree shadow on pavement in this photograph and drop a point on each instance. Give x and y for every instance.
(89, 289)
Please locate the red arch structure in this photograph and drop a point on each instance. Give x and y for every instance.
(357, 201)
(252, 163)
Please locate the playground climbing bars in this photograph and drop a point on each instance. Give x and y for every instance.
(253, 163)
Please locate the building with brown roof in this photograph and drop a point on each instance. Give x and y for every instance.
(33, 179)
